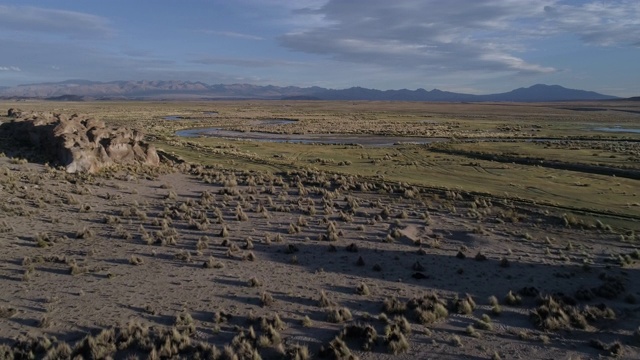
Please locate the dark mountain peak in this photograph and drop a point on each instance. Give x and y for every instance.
(545, 86)
(66, 98)
(543, 92)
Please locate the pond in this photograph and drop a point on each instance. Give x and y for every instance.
(618, 129)
(180, 117)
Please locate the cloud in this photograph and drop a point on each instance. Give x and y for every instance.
(432, 35)
(112, 65)
(242, 62)
(10, 68)
(603, 23)
(458, 35)
(298, 4)
(52, 21)
(232, 34)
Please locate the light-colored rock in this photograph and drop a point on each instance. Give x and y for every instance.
(80, 144)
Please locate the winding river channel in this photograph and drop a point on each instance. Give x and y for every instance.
(365, 140)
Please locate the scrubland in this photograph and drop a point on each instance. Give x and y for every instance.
(511, 238)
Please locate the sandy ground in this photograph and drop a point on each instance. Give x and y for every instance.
(53, 224)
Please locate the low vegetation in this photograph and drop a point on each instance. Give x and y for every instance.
(237, 249)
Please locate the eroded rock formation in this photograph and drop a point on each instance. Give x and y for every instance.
(78, 143)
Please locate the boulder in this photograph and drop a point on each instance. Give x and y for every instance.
(78, 143)
(14, 113)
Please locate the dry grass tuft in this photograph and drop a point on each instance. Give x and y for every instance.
(266, 299)
(254, 282)
(7, 312)
(339, 315)
(324, 301)
(135, 260)
(363, 289)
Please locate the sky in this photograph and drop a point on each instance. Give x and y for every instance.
(470, 46)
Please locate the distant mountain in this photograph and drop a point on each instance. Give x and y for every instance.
(541, 93)
(359, 93)
(66, 98)
(72, 90)
(300, 97)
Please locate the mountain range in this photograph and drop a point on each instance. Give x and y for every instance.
(78, 90)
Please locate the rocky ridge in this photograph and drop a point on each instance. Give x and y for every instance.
(80, 144)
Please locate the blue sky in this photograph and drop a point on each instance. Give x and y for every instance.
(473, 46)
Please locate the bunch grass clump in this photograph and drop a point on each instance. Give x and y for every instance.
(363, 289)
(324, 301)
(339, 315)
(429, 308)
(393, 306)
(553, 314)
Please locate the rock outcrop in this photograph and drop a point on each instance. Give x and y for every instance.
(80, 144)
(14, 113)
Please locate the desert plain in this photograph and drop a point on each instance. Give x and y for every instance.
(339, 230)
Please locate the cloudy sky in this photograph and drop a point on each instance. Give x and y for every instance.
(473, 46)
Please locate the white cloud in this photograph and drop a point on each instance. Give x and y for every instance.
(10, 68)
(244, 62)
(458, 35)
(53, 21)
(232, 34)
(288, 4)
(446, 36)
(604, 23)
(515, 63)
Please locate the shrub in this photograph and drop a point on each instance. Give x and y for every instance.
(297, 352)
(363, 289)
(43, 239)
(512, 299)
(266, 299)
(393, 306)
(211, 263)
(324, 301)
(75, 269)
(306, 321)
(254, 282)
(397, 342)
(463, 306)
(336, 349)
(471, 331)
(7, 312)
(428, 309)
(365, 333)
(455, 341)
(183, 255)
(135, 260)
(339, 315)
(224, 232)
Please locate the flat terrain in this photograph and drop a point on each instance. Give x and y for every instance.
(511, 239)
